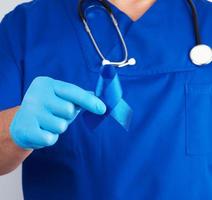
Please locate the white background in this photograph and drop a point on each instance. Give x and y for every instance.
(10, 185)
(8, 5)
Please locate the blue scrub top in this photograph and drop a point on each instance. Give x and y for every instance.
(167, 153)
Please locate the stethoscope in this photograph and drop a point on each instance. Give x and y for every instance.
(200, 54)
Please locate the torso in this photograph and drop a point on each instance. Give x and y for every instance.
(167, 154)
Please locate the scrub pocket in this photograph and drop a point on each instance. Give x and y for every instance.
(199, 119)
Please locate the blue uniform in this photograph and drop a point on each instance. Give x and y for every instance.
(167, 153)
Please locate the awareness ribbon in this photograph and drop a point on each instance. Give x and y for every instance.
(109, 90)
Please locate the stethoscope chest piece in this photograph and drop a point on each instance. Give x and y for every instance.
(201, 55)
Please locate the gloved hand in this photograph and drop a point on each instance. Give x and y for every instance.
(47, 110)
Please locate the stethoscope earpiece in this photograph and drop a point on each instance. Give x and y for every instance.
(201, 55)
(105, 62)
(130, 62)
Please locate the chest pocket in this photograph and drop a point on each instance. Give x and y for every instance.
(199, 118)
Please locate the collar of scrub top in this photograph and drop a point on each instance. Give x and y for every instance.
(108, 87)
(200, 54)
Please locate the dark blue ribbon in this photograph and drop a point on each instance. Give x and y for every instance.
(109, 90)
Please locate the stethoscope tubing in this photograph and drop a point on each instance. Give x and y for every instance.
(195, 22)
(115, 23)
(200, 54)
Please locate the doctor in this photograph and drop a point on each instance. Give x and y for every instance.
(155, 143)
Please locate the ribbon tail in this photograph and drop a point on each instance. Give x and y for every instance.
(122, 113)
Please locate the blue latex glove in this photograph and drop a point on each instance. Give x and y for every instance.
(47, 110)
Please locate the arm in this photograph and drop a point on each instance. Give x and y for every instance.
(48, 108)
(11, 156)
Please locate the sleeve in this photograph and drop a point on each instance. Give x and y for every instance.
(10, 70)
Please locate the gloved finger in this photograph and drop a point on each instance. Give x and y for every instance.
(79, 97)
(49, 122)
(40, 138)
(62, 108)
